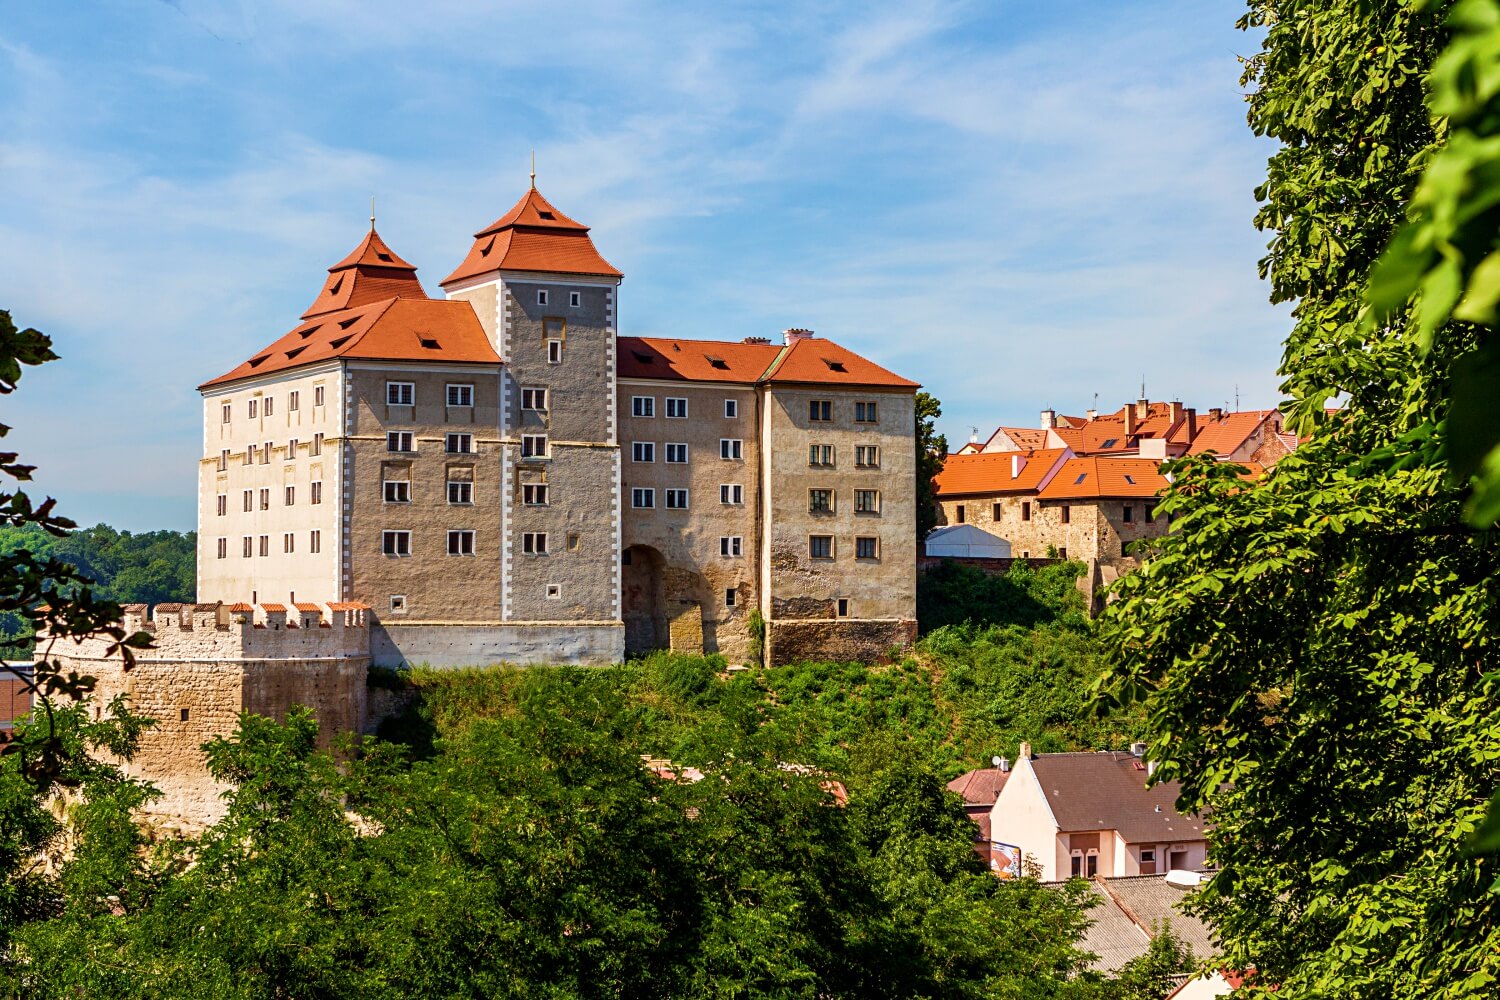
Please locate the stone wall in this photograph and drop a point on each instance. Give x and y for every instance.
(837, 640)
(396, 644)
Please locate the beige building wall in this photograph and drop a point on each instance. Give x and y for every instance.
(272, 573)
(1021, 818)
(1095, 529)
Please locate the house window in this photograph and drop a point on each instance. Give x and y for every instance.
(1148, 861)
(247, 546)
(225, 412)
(223, 548)
(398, 602)
(250, 454)
(533, 446)
(317, 445)
(819, 410)
(642, 499)
(249, 500)
(1091, 864)
(820, 455)
(1062, 553)
(1150, 512)
(265, 498)
(541, 296)
(820, 546)
(183, 714)
(264, 544)
(291, 449)
(533, 399)
(395, 543)
(1128, 514)
(867, 501)
(677, 407)
(677, 454)
(643, 406)
(1067, 514)
(270, 401)
(460, 395)
(1076, 865)
(867, 547)
(731, 449)
(820, 501)
(221, 504)
(294, 400)
(731, 409)
(398, 441)
(677, 499)
(458, 444)
(867, 456)
(732, 494)
(290, 499)
(317, 395)
(731, 597)
(554, 352)
(252, 408)
(400, 393)
(460, 492)
(224, 460)
(534, 543)
(315, 541)
(841, 608)
(731, 545)
(554, 590)
(317, 491)
(1025, 510)
(398, 491)
(288, 542)
(575, 299)
(461, 543)
(864, 413)
(958, 514)
(265, 453)
(534, 494)
(995, 511)
(642, 451)
(573, 542)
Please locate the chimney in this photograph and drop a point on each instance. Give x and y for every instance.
(1175, 410)
(1192, 423)
(1017, 463)
(757, 340)
(1142, 409)
(1130, 421)
(1215, 414)
(1025, 752)
(795, 334)
(1049, 419)
(1091, 414)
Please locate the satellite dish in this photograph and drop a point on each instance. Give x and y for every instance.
(995, 760)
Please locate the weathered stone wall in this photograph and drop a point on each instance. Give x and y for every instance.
(395, 644)
(1094, 530)
(839, 641)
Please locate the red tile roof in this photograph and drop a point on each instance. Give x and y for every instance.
(241, 606)
(273, 607)
(990, 473)
(533, 236)
(814, 361)
(370, 273)
(817, 361)
(980, 787)
(304, 606)
(1022, 437)
(1229, 432)
(1100, 477)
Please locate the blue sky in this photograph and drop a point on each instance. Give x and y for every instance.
(1018, 204)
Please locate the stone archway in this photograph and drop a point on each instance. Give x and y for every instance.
(643, 604)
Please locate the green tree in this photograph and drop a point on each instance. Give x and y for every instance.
(932, 449)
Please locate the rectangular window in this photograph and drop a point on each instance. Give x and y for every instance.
(265, 453)
(533, 399)
(732, 494)
(1150, 512)
(731, 598)
(294, 400)
(270, 400)
(820, 546)
(223, 548)
(400, 393)
(995, 511)
(642, 499)
(677, 407)
(534, 543)
(819, 410)
(1062, 553)
(247, 547)
(265, 498)
(460, 395)
(820, 501)
(316, 488)
(573, 542)
(677, 499)
(249, 500)
(864, 413)
(398, 441)
(1128, 514)
(731, 409)
(959, 514)
(225, 412)
(250, 454)
(460, 492)
(315, 541)
(554, 352)
(224, 460)
(1148, 861)
(534, 494)
(1067, 514)
(575, 299)
(731, 545)
(643, 406)
(731, 449)
(820, 456)
(867, 456)
(291, 449)
(533, 446)
(317, 445)
(867, 501)
(461, 543)
(458, 444)
(541, 296)
(1076, 869)
(252, 408)
(1091, 865)
(867, 548)
(677, 454)
(317, 395)
(289, 499)
(265, 545)
(395, 543)
(398, 602)
(288, 542)
(554, 590)
(221, 504)
(397, 491)
(841, 608)
(1025, 510)
(642, 451)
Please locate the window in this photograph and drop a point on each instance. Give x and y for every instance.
(732, 494)
(223, 548)
(676, 407)
(643, 499)
(1076, 869)
(995, 511)
(573, 542)
(819, 410)
(575, 299)
(867, 456)
(317, 445)
(677, 454)
(315, 541)
(252, 408)
(1025, 510)
(265, 545)
(183, 714)
(224, 460)
(533, 399)
(731, 598)
(1128, 514)
(317, 395)
(867, 548)
(461, 543)
(398, 602)
(643, 406)
(841, 608)
(250, 454)
(268, 404)
(820, 455)
(731, 449)
(460, 395)
(400, 393)
(642, 451)
(731, 409)
(1091, 864)
(534, 543)
(290, 497)
(533, 446)
(541, 296)
(397, 491)
(867, 501)
(288, 542)
(1148, 861)
(820, 501)
(221, 504)
(677, 499)
(294, 400)
(1150, 512)
(958, 514)
(249, 500)
(554, 590)
(291, 449)
(864, 413)
(820, 546)
(225, 412)
(398, 441)
(1062, 553)
(395, 543)
(316, 489)
(731, 545)
(460, 492)
(265, 453)
(554, 352)
(247, 546)
(265, 498)
(534, 494)
(458, 444)
(1067, 514)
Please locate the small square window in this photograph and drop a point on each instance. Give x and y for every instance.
(397, 491)
(400, 393)
(867, 456)
(533, 446)
(867, 548)
(534, 543)
(677, 499)
(460, 395)
(731, 545)
(575, 299)
(643, 406)
(398, 602)
(820, 546)
(554, 590)
(642, 451)
(534, 494)
(642, 499)
(731, 409)
(820, 456)
(677, 454)
(731, 494)
(820, 501)
(460, 491)
(1128, 514)
(399, 441)
(533, 399)
(867, 501)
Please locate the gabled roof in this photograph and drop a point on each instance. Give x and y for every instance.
(533, 236)
(980, 787)
(995, 472)
(368, 274)
(1229, 432)
(814, 361)
(1025, 438)
(1099, 477)
(1107, 790)
(819, 361)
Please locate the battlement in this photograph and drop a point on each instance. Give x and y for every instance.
(218, 631)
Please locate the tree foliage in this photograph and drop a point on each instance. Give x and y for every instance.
(932, 449)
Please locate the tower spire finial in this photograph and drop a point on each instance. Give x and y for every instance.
(372, 213)
(533, 170)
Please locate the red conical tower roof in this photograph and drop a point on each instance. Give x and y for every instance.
(370, 273)
(533, 236)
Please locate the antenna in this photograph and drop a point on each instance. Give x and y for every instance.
(533, 169)
(1143, 385)
(372, 213)
(1236, 397)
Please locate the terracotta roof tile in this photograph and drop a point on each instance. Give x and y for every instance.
(1229, 432)
(692, 360)
(241, 606)
(818, 361)
(1098, 477)
(533, 236)
(281, 608)
(990, 473)
(304, 606)
(370, 273)
(1025, 438)
(981, 786)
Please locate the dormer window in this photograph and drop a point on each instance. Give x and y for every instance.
(547, 215)
(718, 363)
